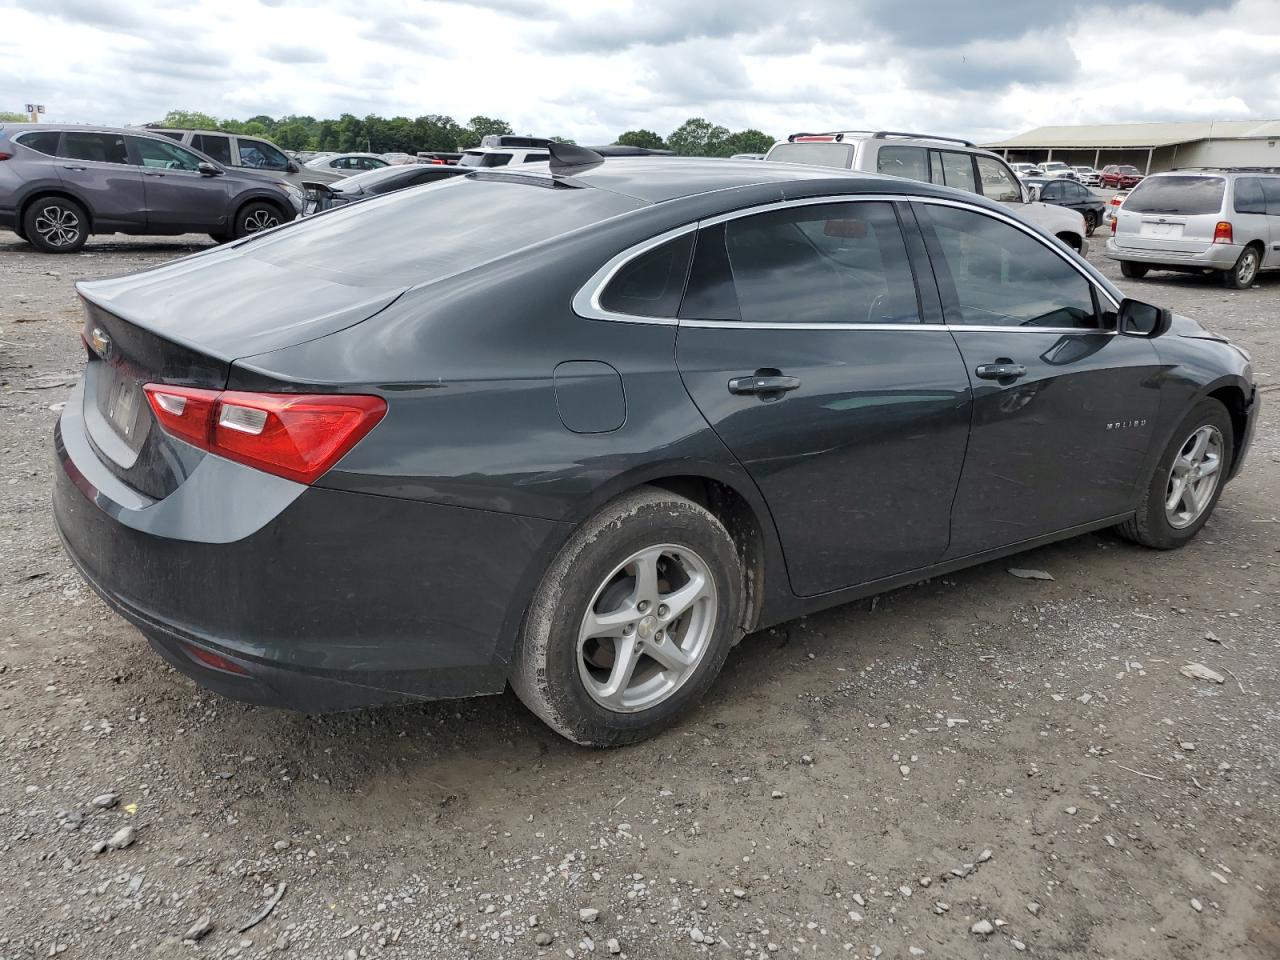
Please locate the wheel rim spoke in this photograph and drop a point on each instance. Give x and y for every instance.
(1194, 477)
(608, 624)
(626, 656)
(669, 655)
(678, 602)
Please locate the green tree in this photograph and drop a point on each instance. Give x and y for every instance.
(191, 120)
(480, 127)
(641, 138)
(748, 141)
(7, 116)
(292, 134)
(697, 137)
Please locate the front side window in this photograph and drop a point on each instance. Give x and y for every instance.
(99, 147)
(1000, 276)
(1052, 191)
(652, 284)
(42, 141)
(909, 162)
(163, 155)
(998, 181)
(823, 263)
(261, 156)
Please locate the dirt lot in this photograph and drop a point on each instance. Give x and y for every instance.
(873, 781)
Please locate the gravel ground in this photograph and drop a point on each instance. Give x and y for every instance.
(973, 767)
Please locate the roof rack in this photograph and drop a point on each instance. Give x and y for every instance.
(1226, 169)
(886, 134)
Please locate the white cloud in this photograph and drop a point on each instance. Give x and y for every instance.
(590, 71)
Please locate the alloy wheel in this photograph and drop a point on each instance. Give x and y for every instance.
(1247, 268)
(260, 220)
(58, 226)
(1194, 477)
(647, 628)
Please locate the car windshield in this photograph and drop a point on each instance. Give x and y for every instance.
(1129, 170)
(396, 237)
(818, 154)
(1181, 195)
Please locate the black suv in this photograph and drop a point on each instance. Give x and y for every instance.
(60, 184)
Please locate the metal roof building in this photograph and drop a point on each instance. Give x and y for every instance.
(1151, 147)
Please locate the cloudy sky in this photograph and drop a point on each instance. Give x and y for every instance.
(590, 70)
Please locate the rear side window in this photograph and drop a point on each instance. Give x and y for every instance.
(98, 147)
(818, 154)
(825, 263)
(1271, 189)
(958, 171)
(535, 157)
(652, 284)
(1000, 276)
(217, 147)
(1188, 196)
(909, 162)
(998, 181)
(42, 141)
(1249, 197)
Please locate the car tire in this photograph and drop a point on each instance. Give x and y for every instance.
(1134, 271)
(1245, 271)
(55, 225)
(596, 601)
(255, 217)
(220, 237)
(1157, 523)
(1090, 223)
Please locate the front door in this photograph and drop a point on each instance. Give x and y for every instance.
(179, 196)
(97, 166)
(801, 342)
(1063, 407)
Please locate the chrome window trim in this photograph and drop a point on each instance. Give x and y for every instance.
(586, 302)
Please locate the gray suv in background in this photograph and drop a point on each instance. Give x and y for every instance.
(1224, 220)
(236, 150)
(58, 185)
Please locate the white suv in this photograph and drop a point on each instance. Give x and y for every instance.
(941, 160)
(505, 150)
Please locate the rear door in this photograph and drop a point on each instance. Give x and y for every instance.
(801, 340)
(97, 165)
(1250, 215)
(1063, 408)
(1175, 214)
(1271, 190)
(178, 196)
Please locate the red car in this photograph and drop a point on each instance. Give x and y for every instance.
(1121, 176)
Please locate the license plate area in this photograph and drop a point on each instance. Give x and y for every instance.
(120, 402)
(1162, 231)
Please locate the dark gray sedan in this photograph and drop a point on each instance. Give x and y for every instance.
(630, 411)
(373, 183)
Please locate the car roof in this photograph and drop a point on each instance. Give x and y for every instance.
(660, 179)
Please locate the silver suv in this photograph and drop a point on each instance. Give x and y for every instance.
(931, 159)
(1202, 220)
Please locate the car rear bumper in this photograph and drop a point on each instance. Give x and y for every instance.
(336, 601)
(1212, 256)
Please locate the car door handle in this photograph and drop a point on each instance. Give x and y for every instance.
(762, 384)
(72, 166)
(1001, 370)
(151, 173)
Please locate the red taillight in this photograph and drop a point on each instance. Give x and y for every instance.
(1115, 218)
(296, 436)
(5, 156)
(814, 138)
(1222, 232)
(214, 660)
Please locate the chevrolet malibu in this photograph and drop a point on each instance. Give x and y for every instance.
(632, 410)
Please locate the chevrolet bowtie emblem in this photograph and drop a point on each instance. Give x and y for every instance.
(100, 342)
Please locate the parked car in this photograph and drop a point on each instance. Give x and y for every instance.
(438, 156)
(60, 184)
(942, 160)
(504, 150)
(1024, 170)
(1056, 168)
(747, 156)
(1220, 220)
(234, 151)
(377, 469)
(335, 166)
(1120, 176)
(1088, 176)
(372, 183)
(1068, 193)
(396, 159)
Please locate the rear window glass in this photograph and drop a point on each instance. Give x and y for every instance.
(1178, 195)
(814, 154)
(483, 158)
(436, 231)
(44, 141)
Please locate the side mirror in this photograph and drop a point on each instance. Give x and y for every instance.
(208, 170)
(292, 166)
(1033, 194)
(1138, 319)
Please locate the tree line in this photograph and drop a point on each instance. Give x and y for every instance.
(695, 137)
